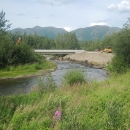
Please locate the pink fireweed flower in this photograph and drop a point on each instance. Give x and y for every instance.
(57, 114)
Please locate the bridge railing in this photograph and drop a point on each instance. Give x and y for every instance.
(59, 51)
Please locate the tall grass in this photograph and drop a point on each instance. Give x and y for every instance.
(74, 76)
(96, 106)
(21, 70)
(46, 84)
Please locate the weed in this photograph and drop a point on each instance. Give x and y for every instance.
(74, 76)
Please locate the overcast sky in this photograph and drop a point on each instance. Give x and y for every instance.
(67, 14)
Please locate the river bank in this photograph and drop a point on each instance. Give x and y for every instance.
(26, 84)
(99, 105)
(92, 59)
(28, 70)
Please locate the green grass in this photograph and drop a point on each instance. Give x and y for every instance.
(27, 69)
(96, 106)
(74, 76)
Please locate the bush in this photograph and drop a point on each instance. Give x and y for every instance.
(117, 65)
(74, 76)
(13, 55)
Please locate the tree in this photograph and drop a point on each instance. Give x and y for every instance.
(67, 41)
(3, 22)
(122, 45)
(121, 62)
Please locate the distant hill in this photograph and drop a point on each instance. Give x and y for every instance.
(50, 32)
(90, 33)
(84, 34)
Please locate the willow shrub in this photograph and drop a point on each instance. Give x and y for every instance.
(74, 76)
(13, 55)
(117, 65)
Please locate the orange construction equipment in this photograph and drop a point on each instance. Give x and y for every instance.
(18, 41)
(107, 50)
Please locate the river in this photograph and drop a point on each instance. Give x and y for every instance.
(25, 85)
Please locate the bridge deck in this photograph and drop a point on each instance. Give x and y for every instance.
(58, 51)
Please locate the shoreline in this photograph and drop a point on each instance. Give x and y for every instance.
(43, 72)
(91, 59)
(86, 63)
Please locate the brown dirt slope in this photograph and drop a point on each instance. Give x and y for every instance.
(94, 59)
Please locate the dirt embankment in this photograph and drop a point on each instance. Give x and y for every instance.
(92, 59)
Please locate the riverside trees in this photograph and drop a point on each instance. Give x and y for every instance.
(10, 53)
(3, 22)
(121, 48)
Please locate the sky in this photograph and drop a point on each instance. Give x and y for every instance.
(67, 14)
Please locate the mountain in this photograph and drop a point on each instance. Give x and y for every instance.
(50, 32)
(84, 34)
(90, 33)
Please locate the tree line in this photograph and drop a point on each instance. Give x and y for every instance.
(62, 41)
(12, 54)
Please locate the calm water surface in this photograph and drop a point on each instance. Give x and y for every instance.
(24, 85)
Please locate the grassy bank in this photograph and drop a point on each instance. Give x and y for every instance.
(27, 69)
(96, 106)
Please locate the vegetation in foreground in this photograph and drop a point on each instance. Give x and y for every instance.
(74, 76)
(27, 69)
(99, 105)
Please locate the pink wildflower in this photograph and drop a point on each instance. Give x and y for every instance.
(58, 114)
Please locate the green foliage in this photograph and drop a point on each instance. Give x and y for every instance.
(27, 69)
(67, 41)
(3, 22)
(34, 41)
(109, 40)
(12, 54)
(117, 65)
(46, 84)
(74, 76)
(99, 105)
(92, 45)
(121, 44)
(114, 112)
(6, 49)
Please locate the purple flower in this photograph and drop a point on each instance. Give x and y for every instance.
(58, 114)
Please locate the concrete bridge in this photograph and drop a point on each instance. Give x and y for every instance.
(58, 51)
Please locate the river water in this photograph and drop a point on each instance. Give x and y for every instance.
(25, 85)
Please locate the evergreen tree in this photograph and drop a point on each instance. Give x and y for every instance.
(67, 41)
(3, 22)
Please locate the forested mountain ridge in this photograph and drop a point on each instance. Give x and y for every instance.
(84, 34)
(50, 32)
(90, 33)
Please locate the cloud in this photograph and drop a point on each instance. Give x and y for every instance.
(98, 23)
(20, 14)
(56, 2)
(124, 6)
(37, 17)
(68, 29)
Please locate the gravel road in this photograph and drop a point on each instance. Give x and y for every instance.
(98, 58)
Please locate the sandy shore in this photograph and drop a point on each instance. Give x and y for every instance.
(92, 59)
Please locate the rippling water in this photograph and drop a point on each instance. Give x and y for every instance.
(24, 85)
